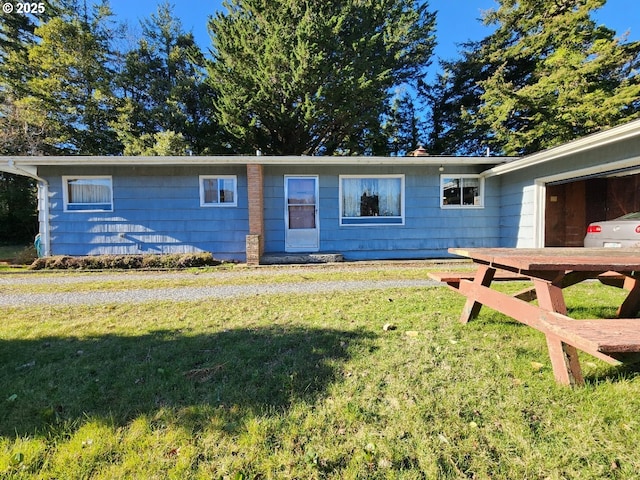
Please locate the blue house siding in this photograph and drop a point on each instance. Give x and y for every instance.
(517, 212)
(155, 210)
(428, 229)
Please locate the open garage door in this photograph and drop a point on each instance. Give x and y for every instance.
(572, 205)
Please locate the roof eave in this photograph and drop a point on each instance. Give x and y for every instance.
(603, 138)
(244, 160)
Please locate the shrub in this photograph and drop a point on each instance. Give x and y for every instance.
(125, 262)
(25, 256)
(194, 260)
(153, 261)
(122, 262)
(63, 262)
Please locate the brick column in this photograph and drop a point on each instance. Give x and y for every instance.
(255, 191)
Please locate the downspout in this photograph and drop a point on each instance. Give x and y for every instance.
(43, 206)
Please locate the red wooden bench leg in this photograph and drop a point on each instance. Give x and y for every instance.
(484, 276)
(550, 296)
(565, 363)
(631, 305)
(564, 357)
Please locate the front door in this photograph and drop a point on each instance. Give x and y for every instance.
(301, 213)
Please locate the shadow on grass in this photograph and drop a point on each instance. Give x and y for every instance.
(53, 381)
(614, 373)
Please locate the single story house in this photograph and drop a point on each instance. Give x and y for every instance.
(243, 207)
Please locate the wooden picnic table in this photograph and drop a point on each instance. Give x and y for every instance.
(551, 270)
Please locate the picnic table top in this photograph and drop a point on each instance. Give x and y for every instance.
(556, 258)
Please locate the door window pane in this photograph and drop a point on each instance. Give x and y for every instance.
(301, 191)
(302, 216)
(301, 203)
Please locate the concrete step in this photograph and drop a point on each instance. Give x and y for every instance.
(293, 258)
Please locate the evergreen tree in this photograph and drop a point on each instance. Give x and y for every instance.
(401, 126)
(164, 95)
(70, 99)
(17, 37)
(18, 219)
(555, 74)
(452, 103)
(314, 77)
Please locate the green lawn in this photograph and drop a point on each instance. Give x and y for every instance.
(9, 251)
(306, 386)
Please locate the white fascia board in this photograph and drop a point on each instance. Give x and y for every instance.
(600, 139)
(370, 160)
(36, 161)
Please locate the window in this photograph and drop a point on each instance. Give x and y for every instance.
(462, 191)
(87, 194)
(372, 200)
(218, 191)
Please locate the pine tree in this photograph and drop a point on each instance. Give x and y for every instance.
(401, 126)
(314, 77)
(17, 37)
(555, 75)
(70, 100)
(166, 104)
(452, 103)
(18, 218)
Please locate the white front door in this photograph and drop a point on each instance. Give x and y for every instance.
(301, 213)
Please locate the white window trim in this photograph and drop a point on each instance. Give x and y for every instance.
(375, 224)
(219, 205)
(462, 175)
(65, 192)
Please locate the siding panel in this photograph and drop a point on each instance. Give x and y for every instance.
(155, 211)
(158, 211)
(428, 230)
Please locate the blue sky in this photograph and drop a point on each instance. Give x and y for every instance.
(458, 20)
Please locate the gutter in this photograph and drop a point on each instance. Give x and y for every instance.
(216, 160)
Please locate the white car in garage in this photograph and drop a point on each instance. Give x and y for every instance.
(620, 232)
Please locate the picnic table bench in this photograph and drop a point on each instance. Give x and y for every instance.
(551, 270)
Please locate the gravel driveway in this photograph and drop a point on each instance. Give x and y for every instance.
(139, 295)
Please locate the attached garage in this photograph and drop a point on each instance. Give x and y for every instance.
(550, 197)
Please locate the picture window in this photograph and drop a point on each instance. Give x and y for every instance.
(372, 200)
